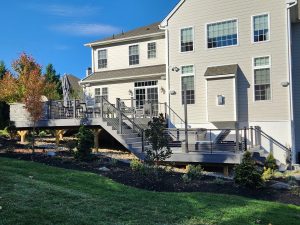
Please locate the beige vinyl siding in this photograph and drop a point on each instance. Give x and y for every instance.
(199, 13)
(226, 88)
(296, 81)
(118, 55)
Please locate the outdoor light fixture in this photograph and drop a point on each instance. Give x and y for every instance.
(130, 92)
(175, 69)
(173, 92)
(162, 90)
(285, 84)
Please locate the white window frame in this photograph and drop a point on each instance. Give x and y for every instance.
(148, 51)
(187, 75)
(252, 27)
(193, 28)
(101, 92)
(104, 49)
(139, 54)
(217, 103)
(253, 77)
(220, 21)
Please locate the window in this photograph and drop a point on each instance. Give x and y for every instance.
(221, 100)
(145, 83)
(98, 94)
(261, 28)
(152, 50)
(187, 80)
(187, 40)
(222, 34)
(262, 83)
(134, 55)
(102, 59)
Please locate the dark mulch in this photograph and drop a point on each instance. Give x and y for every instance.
(165, 182)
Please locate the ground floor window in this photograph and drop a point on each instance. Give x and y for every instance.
(187, 81)
(101, 92)
(262, 78)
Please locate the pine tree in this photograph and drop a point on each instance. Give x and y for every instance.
(4, 108)
(52, 77)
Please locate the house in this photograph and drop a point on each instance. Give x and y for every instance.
(226, 75)
(129, 64)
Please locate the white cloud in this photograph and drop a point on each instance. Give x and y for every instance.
(81, 29)
(65, 10)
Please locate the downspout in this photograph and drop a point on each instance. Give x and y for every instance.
(290, 4)
(165, 28)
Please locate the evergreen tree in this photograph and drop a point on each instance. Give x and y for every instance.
(52, 77)
(4, 108)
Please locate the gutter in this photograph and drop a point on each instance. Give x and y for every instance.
(290, 4)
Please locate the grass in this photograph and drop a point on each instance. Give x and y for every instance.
(32, 193)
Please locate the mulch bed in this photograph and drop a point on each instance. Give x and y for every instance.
(167, 182)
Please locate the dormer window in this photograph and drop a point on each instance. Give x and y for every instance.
(102, 59)
(134, 55)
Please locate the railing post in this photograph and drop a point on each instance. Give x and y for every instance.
(118, 100)
(143, 141)
(49, 109)
(245, 139)
(211, 143)
(237, 137)
(101, 107)
(165, 106)
(132, 107)
(258, 136)
(178, 134)
(186, 120)
(251, 137)
(151, 113)
(74, 108)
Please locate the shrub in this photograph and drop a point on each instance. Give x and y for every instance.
(271, 162)
(159, 150)
(136, 165)
(4, 133)
(85, 143)
(247, 174)
(42, 134)
(268, 174)
(186, 178)
(194, 172)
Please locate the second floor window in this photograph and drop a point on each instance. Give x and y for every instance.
(262, 81)
(187, 81)
(222, 34)
(134, 55)
(102, 59)
(261, 30)
(187, 40)
(152, 50)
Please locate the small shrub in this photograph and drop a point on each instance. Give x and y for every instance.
(186, 178)
(136, 165)
(85, 143)
(278, 174)
(219, 181)
(271, 162)
(247, 174)
(194, 172)
(292, 181)
(4, 133)
(268, 174)
(42, 134)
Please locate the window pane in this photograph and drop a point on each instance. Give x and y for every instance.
(187, 40)
(102, 59)
(134, 57)
(151, 50)
(105, 93)
(97, 95)
(190, 91)
(261, 28)
(222, 34)
(262, 61)
(187, 69)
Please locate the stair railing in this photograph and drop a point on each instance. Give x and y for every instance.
(115, 111)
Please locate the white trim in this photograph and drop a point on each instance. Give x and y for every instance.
(193, 31)
(252, 27)
(165, 21)
(235, 99)
(98, 50)
(93, 62)
(156, 48)
(136, 38)
(121, 78)
(253, 78)
(187, 75)
(219, 76)
(221, 21)
(137, 44)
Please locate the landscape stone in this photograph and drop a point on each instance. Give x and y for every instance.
(104, 169)
(281, 186)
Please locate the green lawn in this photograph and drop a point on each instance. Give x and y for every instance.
(57, 196)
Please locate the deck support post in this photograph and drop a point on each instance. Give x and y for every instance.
(226, 171)
(59, 135)
(23, 134)
(96, 133)
(186, 120)
(237, 137)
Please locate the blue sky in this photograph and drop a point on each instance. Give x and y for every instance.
(54, 31)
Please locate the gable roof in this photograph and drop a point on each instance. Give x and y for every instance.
(74, 82)
(126, 74)
(221, 70)
(141, 32)
(165, 21)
